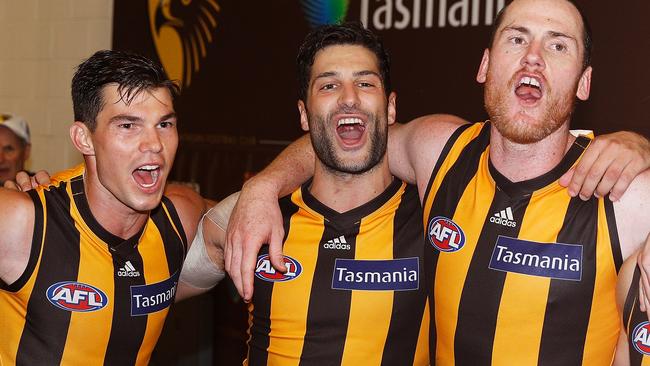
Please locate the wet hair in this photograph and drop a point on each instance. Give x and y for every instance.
(350, 33)
(131, 73)
(586, 32)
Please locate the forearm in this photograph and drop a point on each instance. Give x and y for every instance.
(287, 171)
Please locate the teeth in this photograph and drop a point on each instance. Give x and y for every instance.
(350, 121)
(529, 81)
(148, 167)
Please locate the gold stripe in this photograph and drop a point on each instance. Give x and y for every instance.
(371, 309)
(95, 269)
(13, 306)
(422, 348)
(604, 324)
(509, 333)
(453, 267)
(290, 300)
(156, 269)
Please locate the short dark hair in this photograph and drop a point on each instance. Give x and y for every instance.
(586, 32)
(131, 72)
(350, 33)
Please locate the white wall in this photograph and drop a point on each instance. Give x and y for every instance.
(41, 42)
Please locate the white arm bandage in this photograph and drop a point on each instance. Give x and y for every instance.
(198, 269)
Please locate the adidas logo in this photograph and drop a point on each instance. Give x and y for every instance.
(337, 243)
(128, 270)
(504, 217)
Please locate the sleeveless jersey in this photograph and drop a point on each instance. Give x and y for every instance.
(353, 293)
(88, 297)
(636, 325)
(522, 273)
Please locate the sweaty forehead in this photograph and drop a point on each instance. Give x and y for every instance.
(546, 15)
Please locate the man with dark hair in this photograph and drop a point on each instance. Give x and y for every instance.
(15, 145)
(353, 293)
(519, 271)
(90, 264)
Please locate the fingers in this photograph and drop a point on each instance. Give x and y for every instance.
(565, 179)
(233, 261)
(581, 172)
(9, 184)
(41, 178)
(275, 250)
(247, 265)
(625, 178)
(24, 181)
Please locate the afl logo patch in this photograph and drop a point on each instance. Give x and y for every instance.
(445, 235)
(641, 338)
(264, 269)
(76, 296)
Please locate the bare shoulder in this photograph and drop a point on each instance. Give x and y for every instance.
(14, 207)
(189, 205)
(16, 225)
(437, 126)
(632, 221)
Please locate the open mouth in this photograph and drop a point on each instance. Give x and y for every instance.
(147, 175)
(350, 129)
(529, 89)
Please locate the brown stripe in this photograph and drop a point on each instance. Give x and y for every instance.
(565, 327)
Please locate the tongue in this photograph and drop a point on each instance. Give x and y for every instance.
(143, 177)
(528, 93)
(350, 132)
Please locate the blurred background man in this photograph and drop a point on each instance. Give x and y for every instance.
(15, 145)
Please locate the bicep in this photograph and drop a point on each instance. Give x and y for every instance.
(414, 147)
(632, 223)
(17, 228)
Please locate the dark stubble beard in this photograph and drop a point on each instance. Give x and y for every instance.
(324, 142)
(558, 110)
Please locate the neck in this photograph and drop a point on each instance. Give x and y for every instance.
(520, 162)
(114, 216)
(343, 192)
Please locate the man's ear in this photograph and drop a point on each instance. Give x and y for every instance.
(584, 84)
(304, 120)
(481, 75)
(392, 108)
(82, 138)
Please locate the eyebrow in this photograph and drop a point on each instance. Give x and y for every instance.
(553, 34)
(132, 118)
(327, 74)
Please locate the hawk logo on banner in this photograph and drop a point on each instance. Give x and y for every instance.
(319, 12)
(181, 31)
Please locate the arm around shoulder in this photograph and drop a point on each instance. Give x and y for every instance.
(17, 228)
(414, 147)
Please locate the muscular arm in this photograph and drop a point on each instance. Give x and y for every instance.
(16, 228)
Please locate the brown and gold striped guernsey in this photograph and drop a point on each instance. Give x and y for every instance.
(522, 273)
(353, 294)
(88, 297)
(636, 325)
